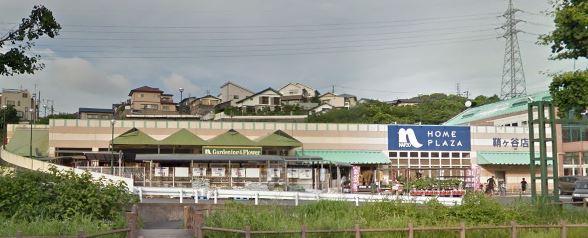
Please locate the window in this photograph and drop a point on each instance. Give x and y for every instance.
(454, 155)
(165, 108)
(263, 100)
(25, 95)
(404, 154)
(393, 154)
(9, 102)
(276, 101)
(445, 155)
(571, 158)
(585, 157)
(424, 154)
(92, 116)
(435, 154)
(465, 155)
(414, 154)
(235, 96)
(292, 91)
(18, 103)
(142, 95)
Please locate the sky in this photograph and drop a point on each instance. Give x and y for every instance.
(381, 50)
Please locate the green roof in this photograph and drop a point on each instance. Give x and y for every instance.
(504, 158)
(21, 141)
(278, 138)
(134, 137)
(496, 109)
(183, 137)
(348, 156)
(231, 137)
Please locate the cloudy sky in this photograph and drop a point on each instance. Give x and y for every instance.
(373, 49)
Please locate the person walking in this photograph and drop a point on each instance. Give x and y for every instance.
(523, 186)
(490, 186)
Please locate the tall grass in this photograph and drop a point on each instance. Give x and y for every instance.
(57, 227)
(325, 215)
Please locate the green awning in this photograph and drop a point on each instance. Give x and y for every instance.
(183, 137)
(134, 137)
(504, 158)
(348, 156)
(231, 138)
(278, 139)
(20, 143)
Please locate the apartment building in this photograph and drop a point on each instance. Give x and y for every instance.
(21, 100)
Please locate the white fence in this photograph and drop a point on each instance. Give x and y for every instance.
(214, 195)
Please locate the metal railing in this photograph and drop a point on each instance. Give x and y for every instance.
(296, 197)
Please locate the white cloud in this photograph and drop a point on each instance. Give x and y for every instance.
(175, 81)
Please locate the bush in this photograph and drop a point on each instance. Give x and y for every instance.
(30, 195)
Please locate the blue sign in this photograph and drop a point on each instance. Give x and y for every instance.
(429, 138)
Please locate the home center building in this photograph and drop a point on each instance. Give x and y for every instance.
(474, 145)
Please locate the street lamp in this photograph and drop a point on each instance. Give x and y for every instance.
(45, 107)
(420, 110)
(181, 99)
(3, 125)
(112, 122)
(31, 141)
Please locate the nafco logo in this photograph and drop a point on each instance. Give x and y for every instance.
(407, 138)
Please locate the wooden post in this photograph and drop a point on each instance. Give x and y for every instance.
(513, 229)
(187, 217)
(81, 234)
(303, 231)
(357, 231)
(410, 230)
(247, 231)
(462, 230)
(19, 234)
(132, 224)
(563, 230)
(198, 224)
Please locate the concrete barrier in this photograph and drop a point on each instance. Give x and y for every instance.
(43, 166)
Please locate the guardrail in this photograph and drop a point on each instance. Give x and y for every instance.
(296, 197)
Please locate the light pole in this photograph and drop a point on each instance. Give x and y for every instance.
(45, 107)
(419, 105)
(112, 122)
(31, 141)
(181, 99)
(3, 125)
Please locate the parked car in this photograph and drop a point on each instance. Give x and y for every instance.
(580, 191)
(567, 184)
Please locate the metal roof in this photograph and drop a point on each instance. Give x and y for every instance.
(183, 137)
(504, 158)
(202, 157)
(100, 110)
(278, 138)
(134, 137)
(231, 137)
(497, 109)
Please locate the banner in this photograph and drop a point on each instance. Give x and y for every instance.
(208, 150)
(429, 138)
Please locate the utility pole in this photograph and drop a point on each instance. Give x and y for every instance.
(458, 91)
(513, 76)
(333, 90)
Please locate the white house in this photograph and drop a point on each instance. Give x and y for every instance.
(320, 109)
(267, 98)
(295, 93)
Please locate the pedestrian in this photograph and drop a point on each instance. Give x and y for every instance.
(523, 186)
(490, 186)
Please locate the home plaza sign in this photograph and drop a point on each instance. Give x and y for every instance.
(429, 138)
(231, 150)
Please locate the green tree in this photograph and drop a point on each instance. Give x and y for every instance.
(9, 115)
(569, 41)
(45, 120)
(15, 59)
(570, 92)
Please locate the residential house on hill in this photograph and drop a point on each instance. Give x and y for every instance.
(21, 100)
(296, 93)
(148, 100)
(267, 98)
(404, 102)
(341, 100)
(203, 105)
(232, 92)
(95, 113)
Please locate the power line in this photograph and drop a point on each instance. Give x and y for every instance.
(271, 38)
(413, 20)
(282, 54)
(254, 44)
